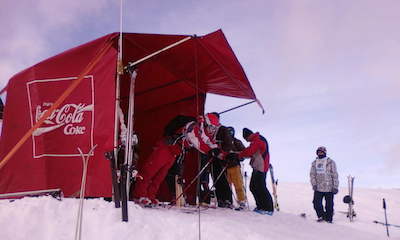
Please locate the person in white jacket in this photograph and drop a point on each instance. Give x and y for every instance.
(325, 183)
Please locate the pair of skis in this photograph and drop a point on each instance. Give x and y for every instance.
(274, 184)
(349, 198)
(122, 172)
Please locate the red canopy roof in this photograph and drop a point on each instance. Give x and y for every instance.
(204, 64)
(170, 83)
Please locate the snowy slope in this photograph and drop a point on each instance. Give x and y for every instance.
(48, 218)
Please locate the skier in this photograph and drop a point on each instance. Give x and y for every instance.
(164, 155)
(258, 151)
(325, 183)
(233, 172)
(220, 134)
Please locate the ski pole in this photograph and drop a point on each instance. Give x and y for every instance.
(386, 222)
(216, 180)
(245, 189)
(390, 225)
(190, 184)
(85, 160)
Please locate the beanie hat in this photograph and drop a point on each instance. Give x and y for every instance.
(211, 119)
(322, 149)
(246, 133)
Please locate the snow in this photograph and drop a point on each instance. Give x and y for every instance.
(48, 218)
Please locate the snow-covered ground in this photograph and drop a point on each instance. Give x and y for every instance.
(47, 218)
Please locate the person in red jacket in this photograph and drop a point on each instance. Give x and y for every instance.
(163, 157)
(258, 151)
(154, 171)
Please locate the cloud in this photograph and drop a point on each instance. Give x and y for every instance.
(25, 38)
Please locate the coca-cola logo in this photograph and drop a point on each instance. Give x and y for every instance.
(68, 116)
(70, 125)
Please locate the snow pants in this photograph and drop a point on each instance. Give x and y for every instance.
(234, 176)
(258, 188)
(222, 189)
(326, 214)
(155, 170)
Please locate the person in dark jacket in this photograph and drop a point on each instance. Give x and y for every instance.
(220, 135)
(258, 151)
(233, 171)
(325, 183)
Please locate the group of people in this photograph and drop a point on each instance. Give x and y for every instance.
(220, 150)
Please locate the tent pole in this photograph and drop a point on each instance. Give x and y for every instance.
(120, 71)
(242, 105)
(198, 153)
(132, 64)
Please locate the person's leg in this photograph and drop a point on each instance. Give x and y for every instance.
(229, 175)
(204, 181)
(317, 202)
(253, 188)
(221, 185)
(329, 206)
(270, 201)
(264, 197)
(148, 171)
(237, 180)
(165, 163)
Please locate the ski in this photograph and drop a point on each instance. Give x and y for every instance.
(114, 177)
(351, 213)
(56, 193)
(130, 142)
(183, 209)
(274, 184)
(386, 224)
(245, 189)
(178, 191)
(124, 194)
(349, 198)
(179, 181)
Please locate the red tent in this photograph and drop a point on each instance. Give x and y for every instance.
(172, 82)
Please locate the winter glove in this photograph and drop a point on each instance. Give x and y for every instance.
(314, 188)
(335, 191)
(213, 153)
(232, 158)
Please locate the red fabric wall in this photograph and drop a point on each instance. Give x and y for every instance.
(51, 159)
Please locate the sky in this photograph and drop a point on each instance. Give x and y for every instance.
(325, 71)
(101, 220)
